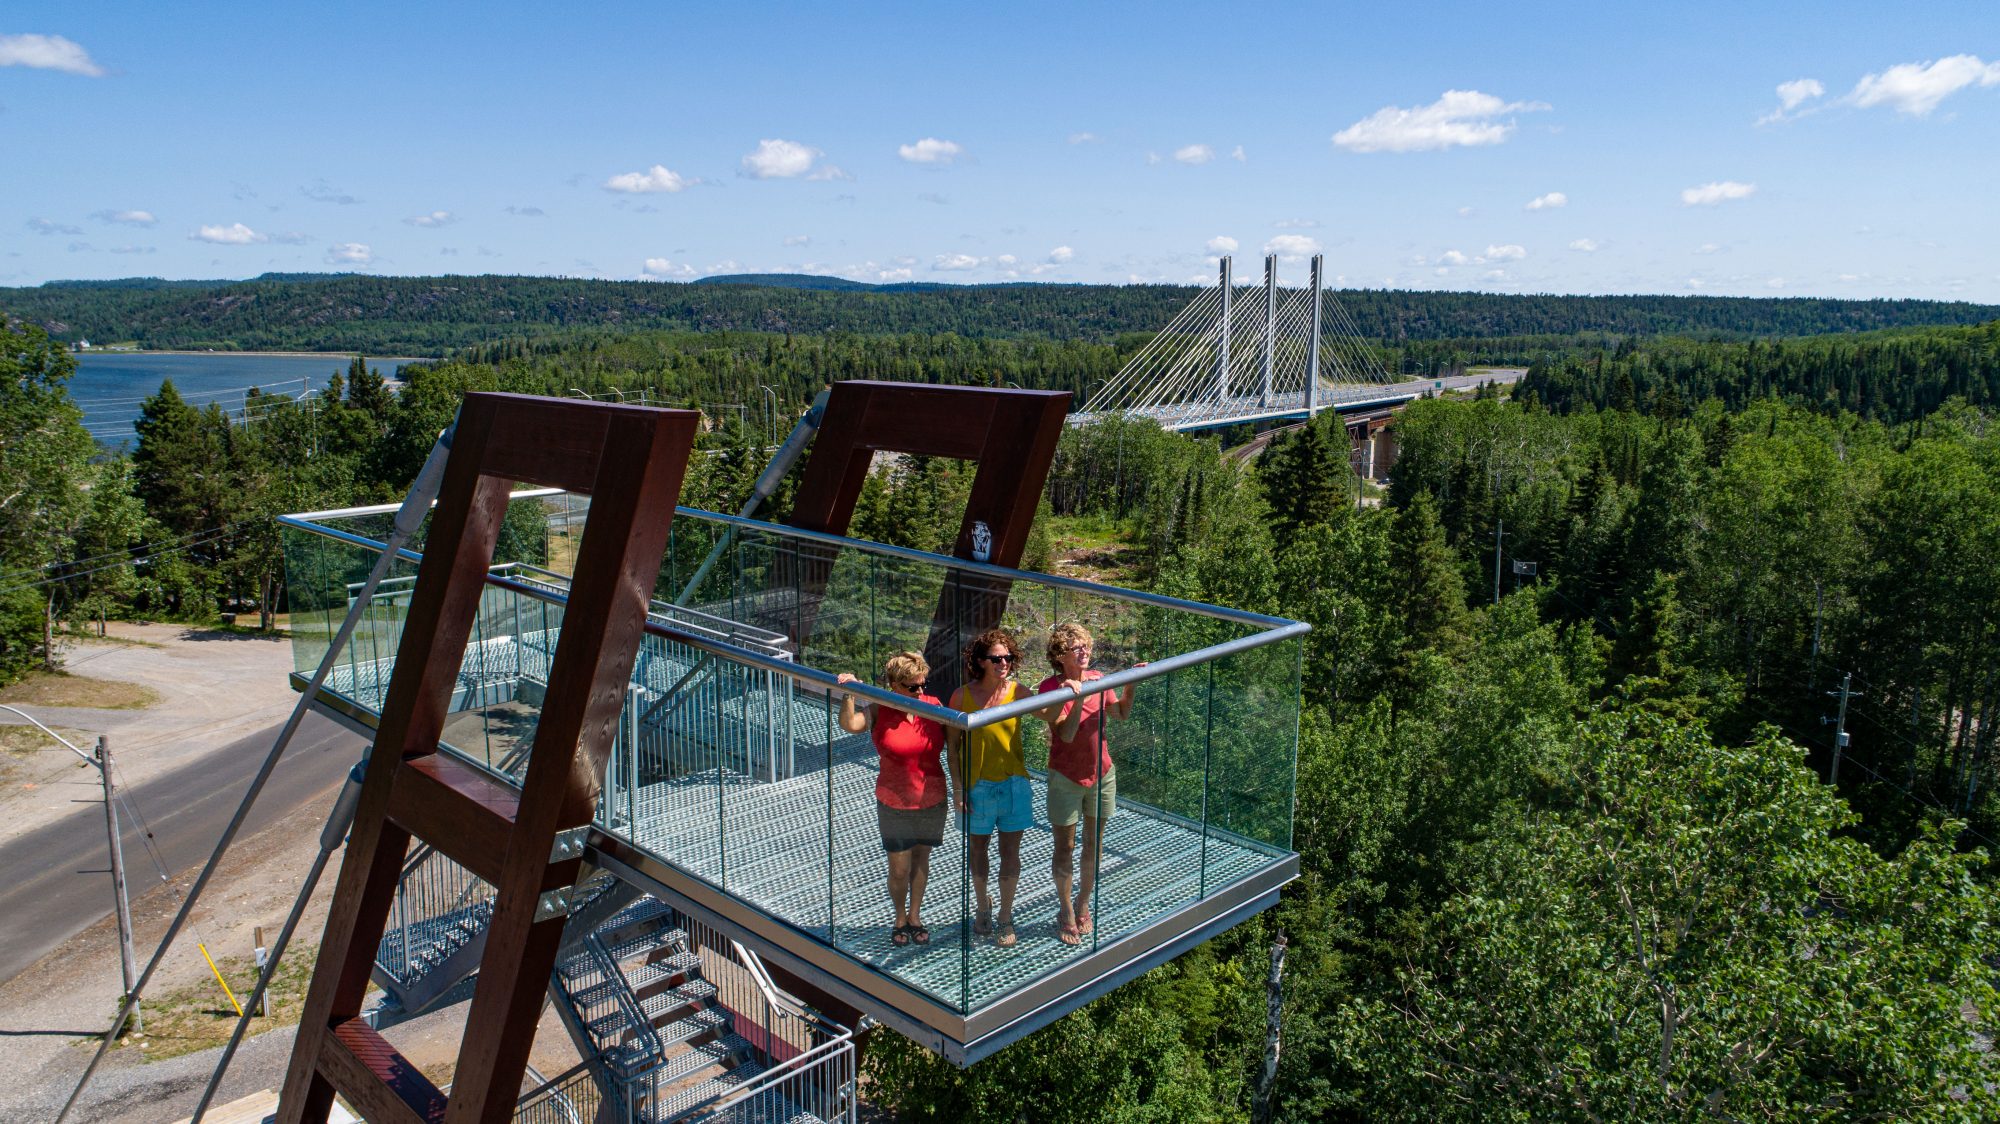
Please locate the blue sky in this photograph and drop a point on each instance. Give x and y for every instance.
(1822, 149)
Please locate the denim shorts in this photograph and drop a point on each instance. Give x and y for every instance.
(1007, 805)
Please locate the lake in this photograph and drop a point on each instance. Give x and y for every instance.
(110, 386)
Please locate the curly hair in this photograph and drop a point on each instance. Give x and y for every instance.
(982, 645)
(1062, 638)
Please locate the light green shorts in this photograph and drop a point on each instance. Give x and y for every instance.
(1069, 800)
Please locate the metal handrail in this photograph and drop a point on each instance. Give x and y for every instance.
(1279, 629)
(829, 1053)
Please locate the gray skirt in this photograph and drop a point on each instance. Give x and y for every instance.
(904, 828)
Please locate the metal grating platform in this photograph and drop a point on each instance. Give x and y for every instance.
(772, 846)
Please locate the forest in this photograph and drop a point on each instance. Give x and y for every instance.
(428, 316)
(1575, 840)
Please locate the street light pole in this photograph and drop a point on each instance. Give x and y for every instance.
(128, 963)
(121, 903)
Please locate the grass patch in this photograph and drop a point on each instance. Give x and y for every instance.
(26, 741)
(60, 688)
(199, 1017)
(1095, 548)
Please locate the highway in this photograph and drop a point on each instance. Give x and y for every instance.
(58, 881)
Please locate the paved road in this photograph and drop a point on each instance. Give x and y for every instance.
(57, 880)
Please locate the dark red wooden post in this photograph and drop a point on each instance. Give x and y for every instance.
(630, 460)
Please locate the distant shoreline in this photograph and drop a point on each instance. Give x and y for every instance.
(263, 354)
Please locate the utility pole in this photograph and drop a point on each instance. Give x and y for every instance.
(1274, 998)
(1499, 532)
(127, 962)
(1840, 725)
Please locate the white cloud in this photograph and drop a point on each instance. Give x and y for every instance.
(1061, 255)
(828, 172)
(349, 253)
(1719, 191)
(1916, 88)
(1585, 245)
(1546, 202)
(435, 218)
(891, 276)
(132, 249)
(953, 263)
(44, 226)
(1792, 94)
(1494, 275)
(526, 212)
(1466, 212)
(652, 181)
(235, 234)
(1460, 117)
(47, 52)
(780, 159)
(930, 150)
(291, 238)
(1774, 283)
(1237, 155)
(661, 269)
(1008, 260)
(1708, 248)
(1509, 252)
(129, 218)
(798, 240)
(1292, 246)
(1297, 224)
(1194, 154)
(1084, 138)
(1222, 244)
(1453, 257)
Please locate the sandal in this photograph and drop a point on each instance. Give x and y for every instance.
(1007, 936)
(900, 935)
(1067, 933)
(920, 934)
(983, 922)
(1083, 924)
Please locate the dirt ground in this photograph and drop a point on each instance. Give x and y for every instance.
(213, 688)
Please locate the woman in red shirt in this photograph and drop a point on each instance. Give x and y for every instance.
(910, 788)
(1083, 785)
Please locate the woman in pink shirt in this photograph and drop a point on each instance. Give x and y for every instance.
(1082, 782)
(910, 788)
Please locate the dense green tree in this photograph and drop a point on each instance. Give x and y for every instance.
(44, 453)
(1691, 937)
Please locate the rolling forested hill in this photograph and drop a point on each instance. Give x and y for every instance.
(431, 315)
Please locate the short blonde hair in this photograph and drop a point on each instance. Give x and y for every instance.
(904, 667)
(1062, 638)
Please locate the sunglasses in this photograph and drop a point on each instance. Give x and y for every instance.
(913, 687)
(998, 659)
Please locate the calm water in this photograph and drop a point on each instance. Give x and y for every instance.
(109, 386)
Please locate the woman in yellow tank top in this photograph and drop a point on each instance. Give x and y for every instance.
(990, 778)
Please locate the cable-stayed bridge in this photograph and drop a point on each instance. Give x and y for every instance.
(1250, 353)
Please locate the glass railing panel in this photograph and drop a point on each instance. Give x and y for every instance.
(1253, 767)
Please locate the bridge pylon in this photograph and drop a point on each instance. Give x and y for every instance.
(1309, 358)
